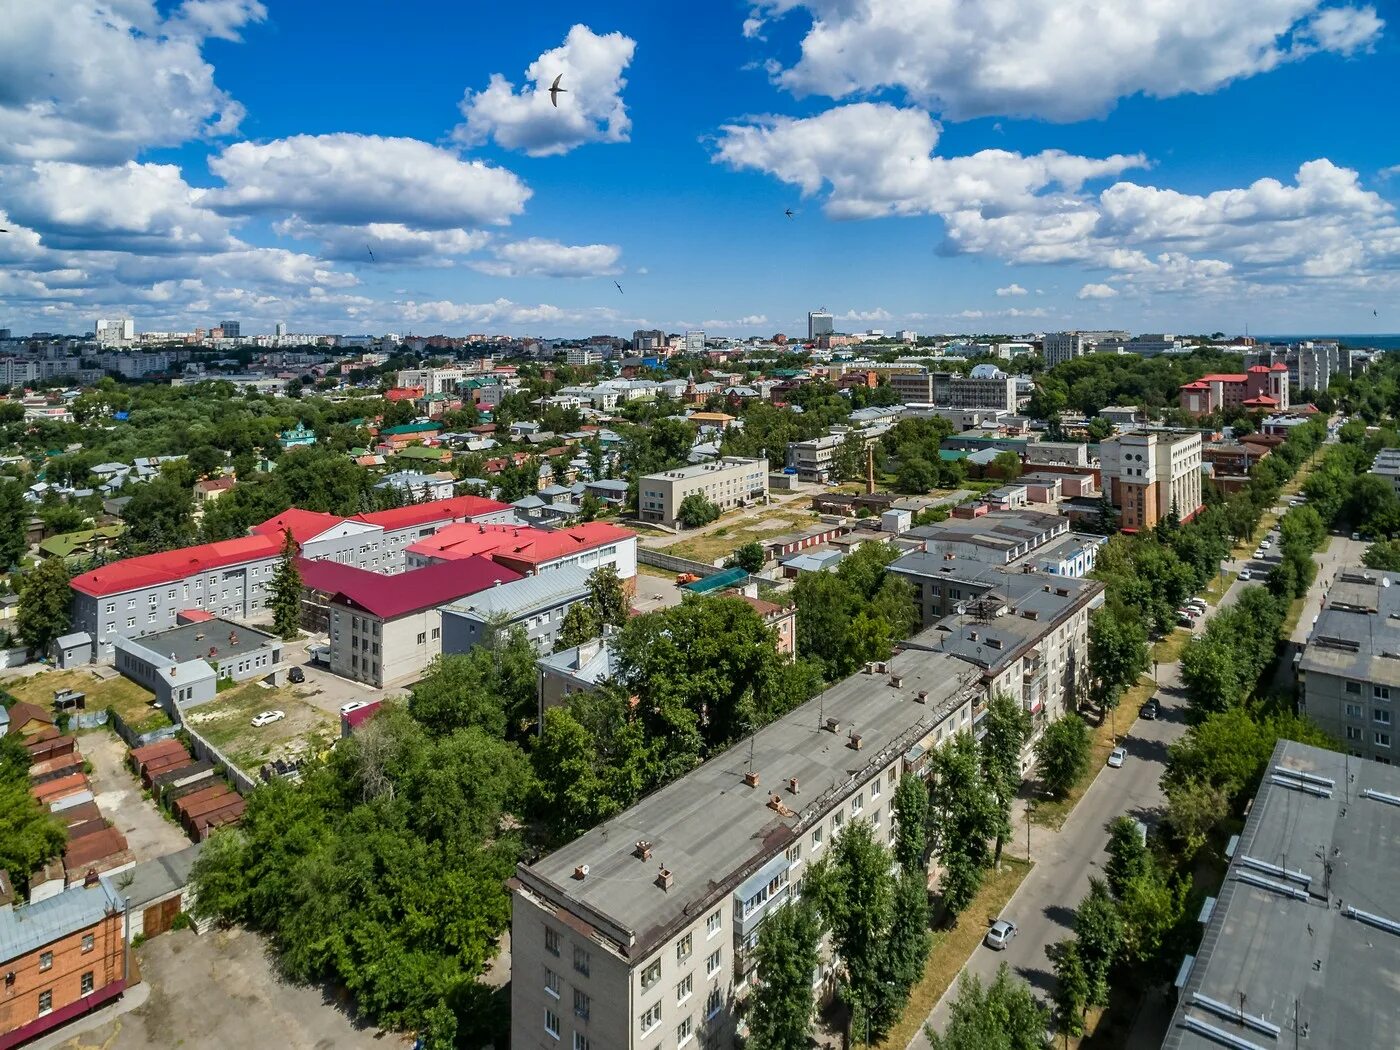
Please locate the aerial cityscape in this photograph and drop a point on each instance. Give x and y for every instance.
(803, 525)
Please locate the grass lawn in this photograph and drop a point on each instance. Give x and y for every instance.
(1170, 648)
(226, 722)
(1052, 813)
(952, 948)
(1218, 586)
(726, 539)
(132, 702)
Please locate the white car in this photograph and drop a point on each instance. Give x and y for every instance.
(1198, 604)
(266, 718)
(999, 935)
(1246, 575)
(1264, 545)
(353, 705)
(1116, 757)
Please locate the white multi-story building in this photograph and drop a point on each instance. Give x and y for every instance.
(1059, 347)
(431, 380)
(640, 934)
(729, 482)
(1148, 473)
(695, 342)
(121, 330)
(582, 356)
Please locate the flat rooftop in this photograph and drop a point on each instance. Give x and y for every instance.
(1285, 938)
(193, 641)
(998, 530)
(711, 830)
(700, 469)
(1357, 634)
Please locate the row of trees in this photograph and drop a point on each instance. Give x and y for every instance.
(29, 834)
(854, 614)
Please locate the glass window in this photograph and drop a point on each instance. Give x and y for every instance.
(651, 1017)
(45, 961)
(45, 1002)
(713, 923)
(87, 983)
(816, 839)
(684, 1031)
(551, 983)
(551, 1022)
(683, 948)
(551, 942)
(794, 853)
(1354, 688)
(712, 963)
(87, 942)
(713, 1002)
(684, 989)
(580, 1041)
(651, 974)
(580, 1004)
(875, 788)
(1381, 739)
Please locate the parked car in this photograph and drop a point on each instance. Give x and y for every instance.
(266, 718)
(1116, 757)
(296, 676)
(1246, 575)
(353, 705)
(1356, 535)
(1264, 545)
(999, 935)
(1151, 708)
(1199, 604)
(1185, 621)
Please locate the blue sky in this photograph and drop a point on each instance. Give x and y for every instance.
(953, 165)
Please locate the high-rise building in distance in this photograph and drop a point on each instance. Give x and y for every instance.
(281, 330)
(819, 323)
(231, 329)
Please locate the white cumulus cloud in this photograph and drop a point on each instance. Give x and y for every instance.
(540, 257)
(1097, 291)
(1010, 289)
(972, 58)
(95, 82)
(590, 109)
(384, 242)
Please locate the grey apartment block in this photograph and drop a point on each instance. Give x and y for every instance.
(537, 604)
(1349, 671)
(184, 665)
(640, 934)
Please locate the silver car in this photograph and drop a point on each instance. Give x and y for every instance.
(1000, 934)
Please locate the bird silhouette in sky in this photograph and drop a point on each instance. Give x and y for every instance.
(371, 252)
(618, 287)
(788, 213)
(555, 90)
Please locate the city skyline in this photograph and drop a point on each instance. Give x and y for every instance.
(185, 163)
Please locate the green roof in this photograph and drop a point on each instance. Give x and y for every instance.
(64, 545)
(949, 455)
(413, 428)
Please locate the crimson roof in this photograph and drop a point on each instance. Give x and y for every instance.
(391, 596)
(437, 510)
(1224, 377)
(150, 569)
(305, 524)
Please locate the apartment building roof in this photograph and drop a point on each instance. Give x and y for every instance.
(955, 570)
(434, 510)
(592, 662)
(523, 596)
(1357, 634)
(25, 927)
(1304, 928)
(999, 531)
(151, 570)
(304, 525)
(709, 829)
(697, 470)
(212, 639)
(519, 543)
(404, 592)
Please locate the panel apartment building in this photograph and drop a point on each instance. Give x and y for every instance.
(641, 933)
(953, 390)
(728, 482)
(1146, 473)
(1350, 669)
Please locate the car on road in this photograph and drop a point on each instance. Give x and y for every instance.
(1116, 757)
(1264, 545)
(353, 705)
(1199, 604)
(296, 676)
(1246, 575)
(266, 718)
(1356, 535)
(1151, 708)
(999, 935)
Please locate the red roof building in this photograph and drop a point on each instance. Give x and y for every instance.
(1258, 387)
(389, 597)
(132, 574)
(455, 509)
(529, 550)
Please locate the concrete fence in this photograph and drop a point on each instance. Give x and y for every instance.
(203, 749)
(88, 719)
(134, 739)
(673, 564)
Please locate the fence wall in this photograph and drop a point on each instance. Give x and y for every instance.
(134, 739)
(673, 564)
(206, 751)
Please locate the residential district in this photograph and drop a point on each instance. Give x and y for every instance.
(668, 691)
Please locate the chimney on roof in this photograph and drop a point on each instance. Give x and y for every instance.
(833, 725)
(90, 878)
(751, 778)
(664, 878)
(792, 784)
(581, 872)
(642, 850)
(854, 742)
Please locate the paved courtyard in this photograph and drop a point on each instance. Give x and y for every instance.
(118, 794)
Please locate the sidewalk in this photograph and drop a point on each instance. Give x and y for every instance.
(66, 1035)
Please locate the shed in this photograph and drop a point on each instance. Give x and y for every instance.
(72, 650)
(203, 826)
(139, 755)
(27, 719)
(193, 773)
(51, 748)
(718, 582)
(54, 768)
(56, 789)
(158, 891)
(183, 804)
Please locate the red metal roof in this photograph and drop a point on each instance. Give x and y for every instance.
(465, 507)
(391, 596)
(518, 543)
(1224, 377)
(152, 569)
(1279, 367)
(305, 524)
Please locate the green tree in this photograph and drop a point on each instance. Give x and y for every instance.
(750, 557)
(695, 510)
(1117, 653)
(916, 476)
(1006, 728)
(491, 687)
(1194, 809)
(572, 789)
(1383, 555)
(1127, 854)
(159, 517)
(1071, 987)
(963, 815)
(581, 624)
(1150, 906)
(45, 605)
(856, 897)
(590, 507)
(1099, 931)
(908, 945)
(1062, 754)
(29, 834)
(608, 596)
(911, 812)
(13, 518)
(1004, 1016)
(1006, 466)
(286, 591)
(787, 955)
(849, 462)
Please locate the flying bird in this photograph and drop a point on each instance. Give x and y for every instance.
(371, 252)
(788, 213)
(555, 90)
(618, 287)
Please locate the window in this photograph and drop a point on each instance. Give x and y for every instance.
(422, 637)
(131, 603)
(580, 1041)
(1380, 692)
(45, 961)
(1354, 711)
(875, 788)
(551, 1022)
(794, 853)
(816, 839)
(684, 947)
(684, 1031)
(892, 776)
(551, 942)
(857, 803)
(1381, 739)
(1354, 688)
(131, 621)
(111, 607)
(684, 989)
(580, 1004)
(1381, 715)
(45, 1003)
(651, 1018)
(551, 983)
(1353, 733)
(87, 983)
(837, 819)
(651, 975)
(713, 1002)
(437, 633)
(87, 943)
(712, 964)
(713, 923)
(875, 818)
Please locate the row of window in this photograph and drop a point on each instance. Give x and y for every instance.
(46, 996)
(1377, 738)
(1378, 692)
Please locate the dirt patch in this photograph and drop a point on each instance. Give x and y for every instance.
(226, 722)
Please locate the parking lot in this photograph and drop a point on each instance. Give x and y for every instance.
(219, 989)
(226, 722)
